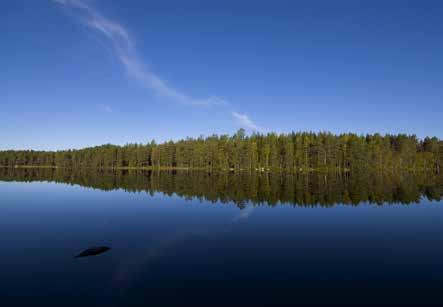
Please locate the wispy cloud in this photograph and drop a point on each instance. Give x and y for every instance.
(124, 50)
(244, 121)
(105, 108)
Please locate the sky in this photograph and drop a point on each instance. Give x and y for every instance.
(76, 73)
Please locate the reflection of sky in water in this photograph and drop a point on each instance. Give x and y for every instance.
(159, 242)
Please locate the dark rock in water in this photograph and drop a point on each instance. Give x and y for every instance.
(95, 250)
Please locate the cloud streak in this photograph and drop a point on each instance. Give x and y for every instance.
(124, 50)
(105, 108)
(244, 121)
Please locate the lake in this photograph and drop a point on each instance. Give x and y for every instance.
(217, 239)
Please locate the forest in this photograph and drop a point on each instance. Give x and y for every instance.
(292, 152)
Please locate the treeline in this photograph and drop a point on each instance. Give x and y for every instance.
(299, 152)
(270, 188)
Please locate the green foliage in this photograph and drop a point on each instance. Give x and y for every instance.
(293, 152)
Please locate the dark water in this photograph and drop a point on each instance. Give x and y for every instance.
(200, 239)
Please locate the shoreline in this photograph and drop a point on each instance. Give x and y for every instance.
(259, 170)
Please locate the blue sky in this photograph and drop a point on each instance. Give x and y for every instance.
(76, 73)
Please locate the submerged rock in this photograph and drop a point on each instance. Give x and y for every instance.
(95, 250)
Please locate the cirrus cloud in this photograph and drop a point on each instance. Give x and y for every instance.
(124, 50)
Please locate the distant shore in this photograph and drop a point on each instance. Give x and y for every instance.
(291, 152)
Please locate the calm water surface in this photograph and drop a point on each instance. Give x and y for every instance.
(219, 239)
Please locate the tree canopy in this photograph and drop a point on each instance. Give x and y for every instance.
(292, 152)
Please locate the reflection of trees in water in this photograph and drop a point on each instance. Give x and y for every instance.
(315, 189)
